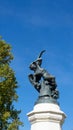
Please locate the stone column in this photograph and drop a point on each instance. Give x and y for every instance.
(46, 116)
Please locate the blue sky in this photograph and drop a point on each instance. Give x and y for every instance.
(31, 26)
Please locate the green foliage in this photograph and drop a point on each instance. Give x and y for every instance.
(9, 116)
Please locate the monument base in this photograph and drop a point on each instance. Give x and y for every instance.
(46, 116)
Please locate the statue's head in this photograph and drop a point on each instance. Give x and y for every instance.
(39, 61)
(34, 65)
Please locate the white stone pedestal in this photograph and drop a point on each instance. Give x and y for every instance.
(46, 116)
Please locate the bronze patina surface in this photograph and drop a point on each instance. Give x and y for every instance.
(43, 82)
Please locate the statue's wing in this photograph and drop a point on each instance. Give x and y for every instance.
(41, 53)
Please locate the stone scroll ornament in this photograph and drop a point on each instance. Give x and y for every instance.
(43, 82)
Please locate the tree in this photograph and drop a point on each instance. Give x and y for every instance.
(9, 116)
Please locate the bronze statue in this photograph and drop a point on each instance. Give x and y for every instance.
(43, 82)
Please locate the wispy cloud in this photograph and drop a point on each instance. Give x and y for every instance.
(49, 18)
(6, 11)
(53, 19)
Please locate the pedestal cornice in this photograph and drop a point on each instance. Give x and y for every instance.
(46, 113)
